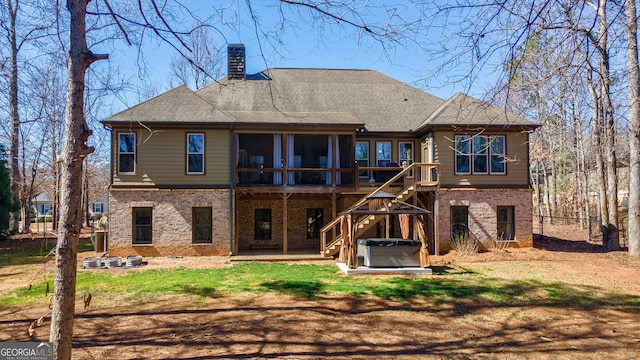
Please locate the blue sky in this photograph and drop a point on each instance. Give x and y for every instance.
(302, 45)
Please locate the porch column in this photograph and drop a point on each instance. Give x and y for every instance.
(436, 221)
(334, 206)
(285, 216)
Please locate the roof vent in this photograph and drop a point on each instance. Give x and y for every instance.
(236, 69)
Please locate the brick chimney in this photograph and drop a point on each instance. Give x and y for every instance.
(236, 69)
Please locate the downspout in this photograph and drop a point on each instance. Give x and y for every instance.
(436, 196)
(231, 174)
(529, 158)
(111, 163)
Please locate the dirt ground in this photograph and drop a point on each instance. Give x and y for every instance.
(278, 327)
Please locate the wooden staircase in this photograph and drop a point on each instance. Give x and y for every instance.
(425, 175)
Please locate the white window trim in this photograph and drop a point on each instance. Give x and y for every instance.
(95, 205)
(195, 153)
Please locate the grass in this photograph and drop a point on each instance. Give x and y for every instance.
(461, 289)
(25, 255)
(31, 254)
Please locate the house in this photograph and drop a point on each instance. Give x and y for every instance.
(272, 161)
(99, 206)
(42, 204)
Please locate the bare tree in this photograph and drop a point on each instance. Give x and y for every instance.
(602, 45)
(73, 152)
(203, 64)
(634, 127)
(75, 149)
(17, 35)
(12, 10)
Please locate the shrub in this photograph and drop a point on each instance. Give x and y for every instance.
(502, 243)
(43, 219)
(462, 243)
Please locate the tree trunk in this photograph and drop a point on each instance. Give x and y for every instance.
(15, 116)
(610, 131)
(537, 189)
(24, 193)
(553, 193)
(547, 201)
(633, 230)
(579, 165)
(55, 177)
(74, 151)
(601, 176)
(85, 197)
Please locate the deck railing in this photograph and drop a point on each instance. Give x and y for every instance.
(415, 175)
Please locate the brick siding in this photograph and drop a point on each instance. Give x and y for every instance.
(483, 224)
(171, 221)
(172, 212)
(297, 206)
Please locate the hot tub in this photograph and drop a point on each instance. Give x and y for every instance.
(382, 252)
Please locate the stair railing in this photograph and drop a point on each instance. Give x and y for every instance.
(424, 174)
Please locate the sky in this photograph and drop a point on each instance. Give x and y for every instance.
(304, 45)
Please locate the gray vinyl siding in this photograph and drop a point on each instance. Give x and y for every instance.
(517, 172)
(161, 159)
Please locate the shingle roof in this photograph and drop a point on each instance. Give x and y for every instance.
(294, 118)
(464, 110)
(379, 101)
(316, 96)
(179, 104)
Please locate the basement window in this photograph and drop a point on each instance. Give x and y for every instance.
(506, 223)
(142, 226)
(202, 225)
(315, 222)
(262, 224)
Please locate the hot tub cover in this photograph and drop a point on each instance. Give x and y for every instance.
(388, 242)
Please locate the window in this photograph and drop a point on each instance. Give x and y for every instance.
(383, 153)
(506, 223)
(405, 155)
(315, 222)
(142, 229)
(97, 207)
(497, 158)
(480, 154)
(195, 153)
(459, 221)
(263, 224)
(362, 157)
(126, 153)
(202, 225)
